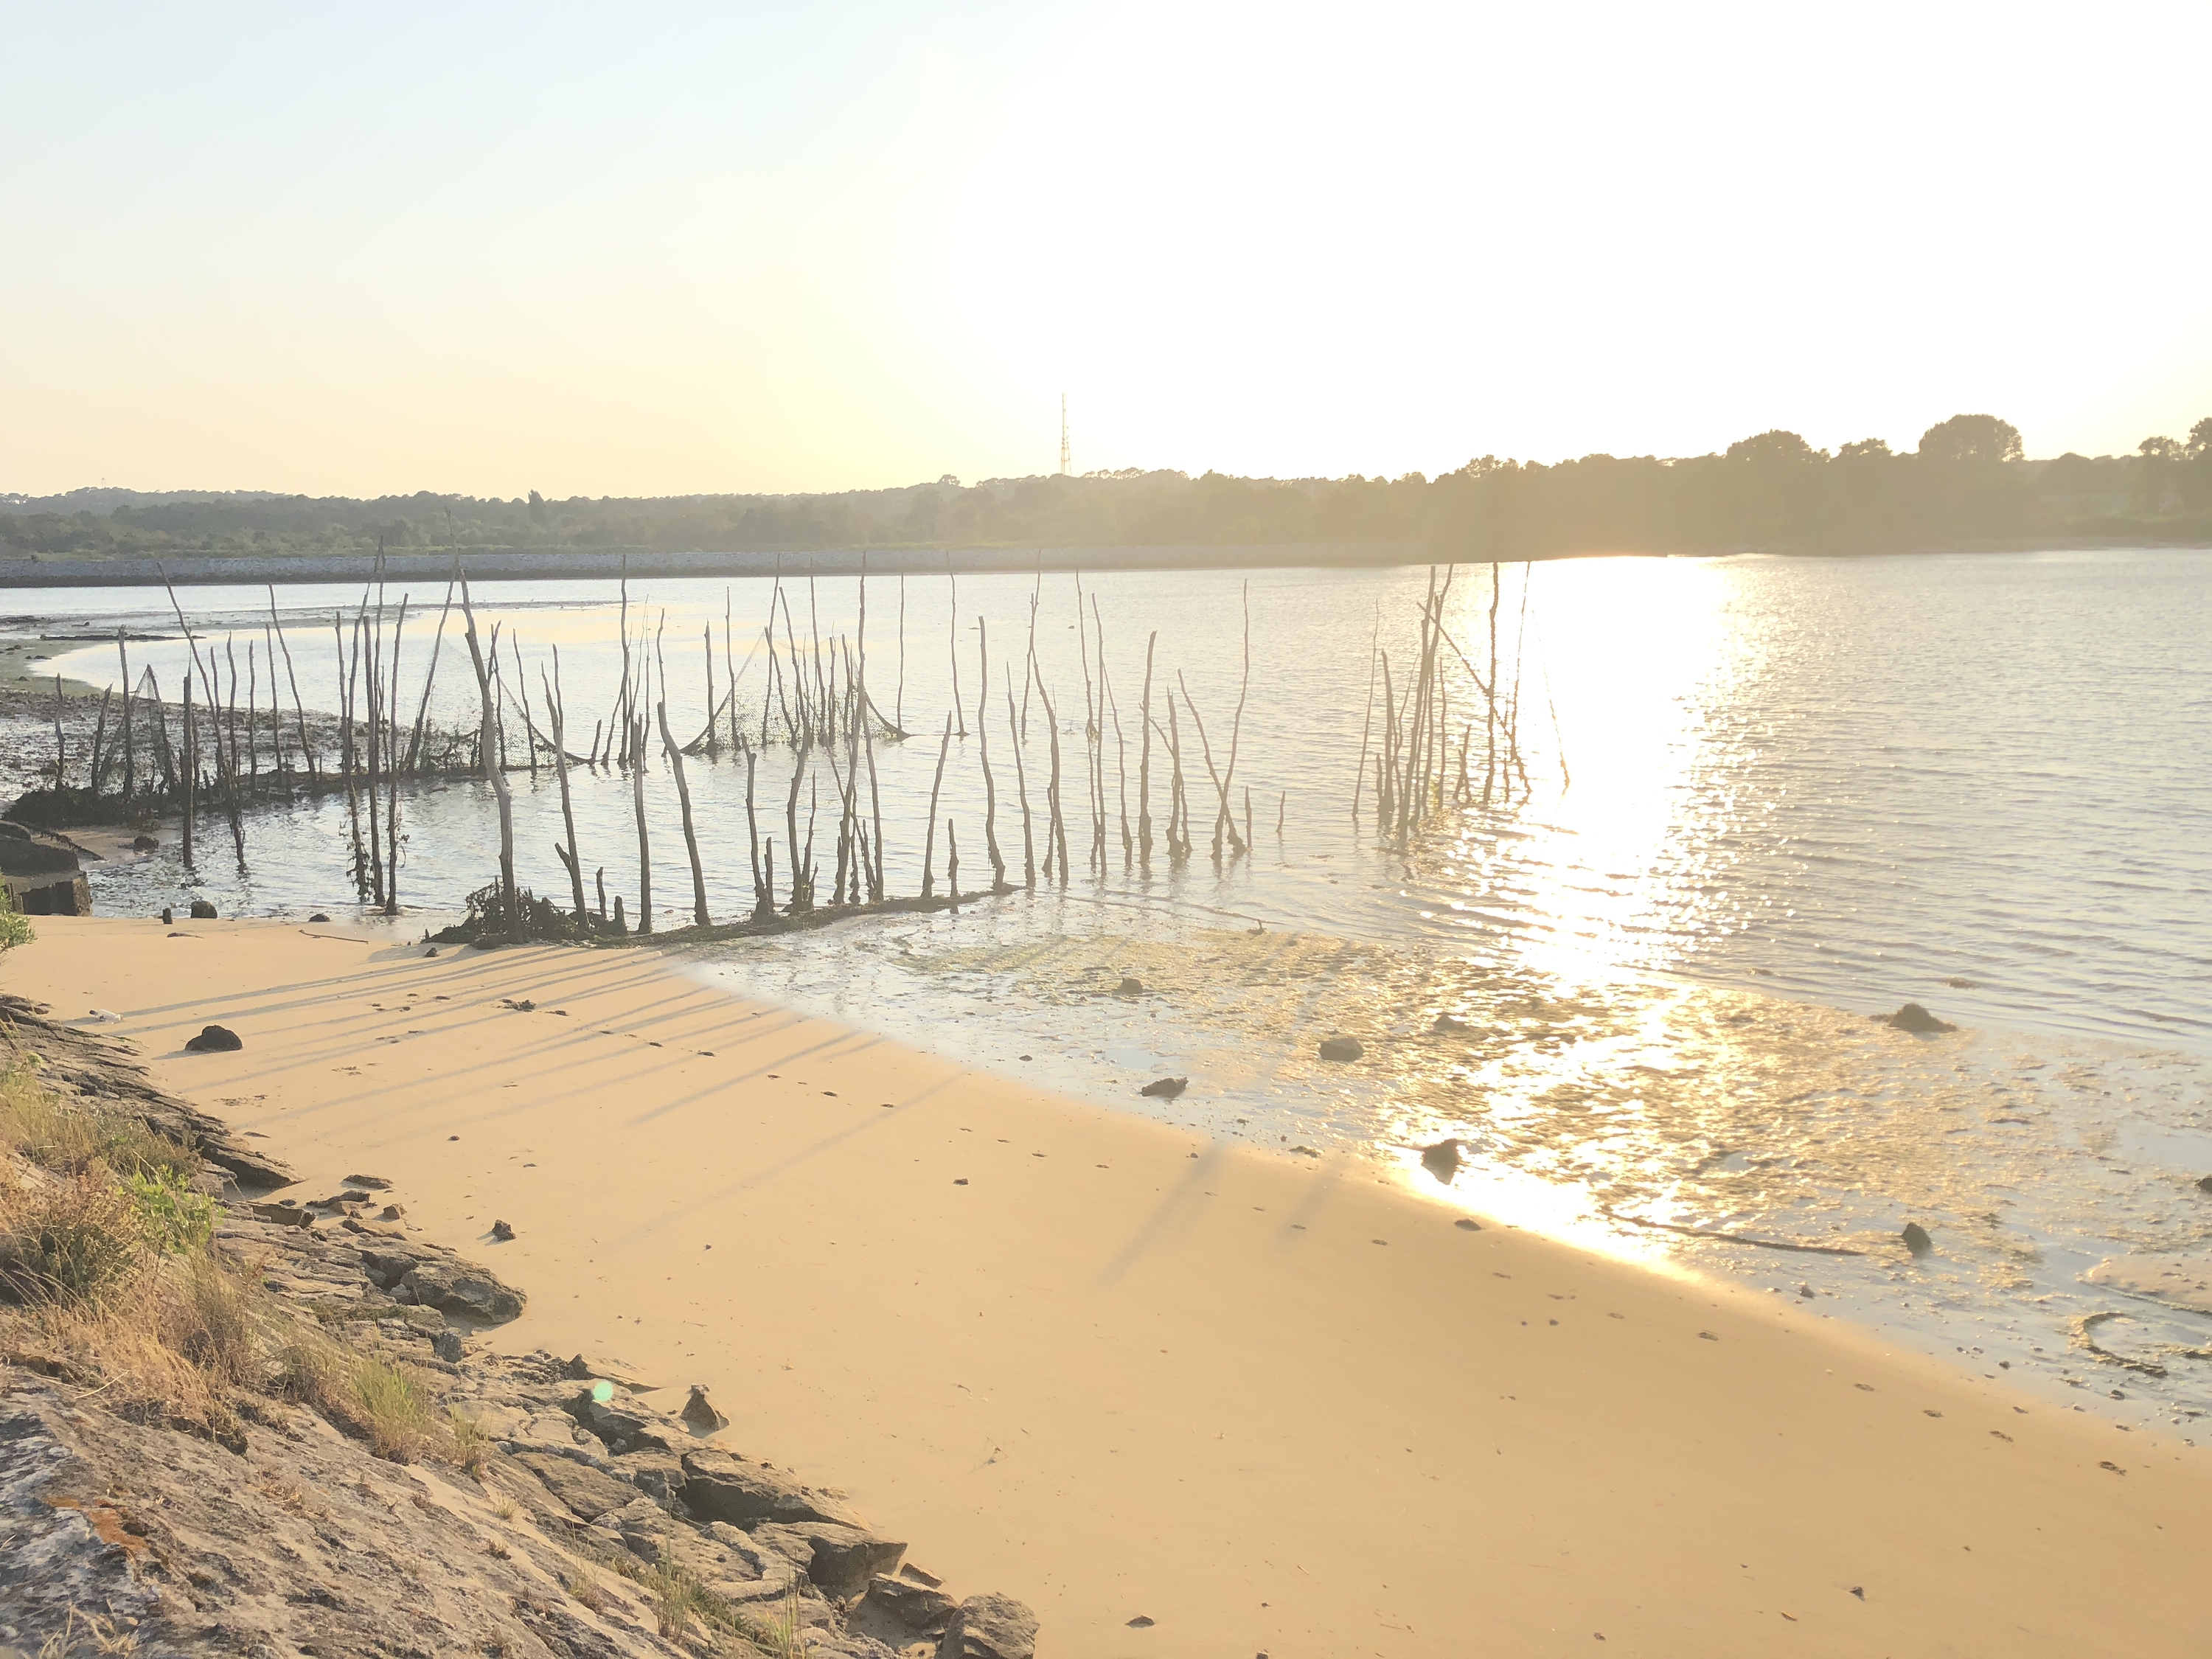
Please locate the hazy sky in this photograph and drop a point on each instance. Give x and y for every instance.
(646, 250)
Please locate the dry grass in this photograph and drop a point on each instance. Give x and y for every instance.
(388, 1405)
(395, 1409)
(468, 1445)
(679, 1597)
(70, 1242)
(87, 1634)
(60, 1135)
(586, 1594)
(105, 1249)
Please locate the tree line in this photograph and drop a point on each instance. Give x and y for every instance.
(1967, 483)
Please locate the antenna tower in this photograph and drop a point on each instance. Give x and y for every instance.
(1064, 468)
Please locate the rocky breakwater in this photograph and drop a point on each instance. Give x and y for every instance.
(331, 1463)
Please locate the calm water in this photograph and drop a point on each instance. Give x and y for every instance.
(1769, 798)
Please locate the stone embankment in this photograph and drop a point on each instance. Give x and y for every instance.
(550, 1506)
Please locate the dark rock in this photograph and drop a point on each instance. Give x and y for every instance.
(285, 1215)
(1442, 1160)
(455, 1286)
(143, 843)
(585, 1490)
(1914, 1017)
(377, 1183)
(840, 1559)
(1165, 1088)
(448, 1346)
(1444, 1024)
(921, 1607)
(214, 1040)
(722, 1486)
(2204, 1184)
(628, 1423)
(577, 1369)
(1341, 1048)
(168, 916)
(991, 1626)
(390, 1212)
(699, 1412)
(202, 911)
(1130, 987)
(318, 916)
(1916, 1238)
(502, 1231)
(1467, 1226)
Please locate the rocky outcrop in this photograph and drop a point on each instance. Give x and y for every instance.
(990, 1627)
(723, 1487)
(588, 1524)
(100, 1069)
(1342, 1049)
(424, 1275)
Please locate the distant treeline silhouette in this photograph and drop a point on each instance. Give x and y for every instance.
(1967, 484)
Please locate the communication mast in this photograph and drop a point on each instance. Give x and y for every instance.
(1064, 467)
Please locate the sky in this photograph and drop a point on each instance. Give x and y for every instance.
(662, 249)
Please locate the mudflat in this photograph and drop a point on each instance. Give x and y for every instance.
(1267, 1403)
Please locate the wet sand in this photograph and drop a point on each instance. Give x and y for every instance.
(1118, 1370)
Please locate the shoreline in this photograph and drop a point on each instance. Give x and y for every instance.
(505, 565)
(1179, 1386)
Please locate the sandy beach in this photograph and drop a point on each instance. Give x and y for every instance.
(1271, 1405)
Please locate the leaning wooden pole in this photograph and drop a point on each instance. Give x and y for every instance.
(1021, 787)
(1145, 759)
(983, 754)
(929, 836)
(684, 801)
(571, 854)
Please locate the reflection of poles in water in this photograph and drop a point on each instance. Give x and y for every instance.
(952, 637)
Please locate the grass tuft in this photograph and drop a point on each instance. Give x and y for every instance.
(677, 1595)
(71, 1243)
(394, 1409)
(469, 1446)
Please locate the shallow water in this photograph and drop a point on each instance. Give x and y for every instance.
(1768, 799)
